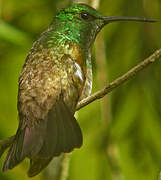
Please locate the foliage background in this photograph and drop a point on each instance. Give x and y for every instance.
(122, 132)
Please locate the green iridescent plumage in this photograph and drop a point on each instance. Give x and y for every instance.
(57, 74)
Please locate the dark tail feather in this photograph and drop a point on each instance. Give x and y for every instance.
(37, 165)
(27, 143)
(13, 157)
(5, 143)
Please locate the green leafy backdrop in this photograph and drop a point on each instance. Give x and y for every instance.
(122, 132)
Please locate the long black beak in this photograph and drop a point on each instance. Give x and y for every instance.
(109, 19)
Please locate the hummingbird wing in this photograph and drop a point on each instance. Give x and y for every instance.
(62, 132)
(46, 110)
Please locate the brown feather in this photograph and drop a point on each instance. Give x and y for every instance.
(37, 165)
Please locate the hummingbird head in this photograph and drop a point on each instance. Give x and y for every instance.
(81, 23)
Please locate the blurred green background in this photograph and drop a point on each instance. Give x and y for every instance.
(122, 132)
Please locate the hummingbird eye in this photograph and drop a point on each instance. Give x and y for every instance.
(86, 17)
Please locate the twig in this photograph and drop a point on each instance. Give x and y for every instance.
(120, 80)
(65, 167)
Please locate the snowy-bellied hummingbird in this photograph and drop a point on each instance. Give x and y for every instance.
(56, 75)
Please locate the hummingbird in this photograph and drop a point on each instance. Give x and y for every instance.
(56, 75)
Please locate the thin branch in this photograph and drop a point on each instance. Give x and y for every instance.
(120, 80)
(65, 167)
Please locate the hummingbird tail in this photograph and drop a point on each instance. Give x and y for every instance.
(4, 144)
(59, 132)
(27, 143)
(37, 165)
(13, 158)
